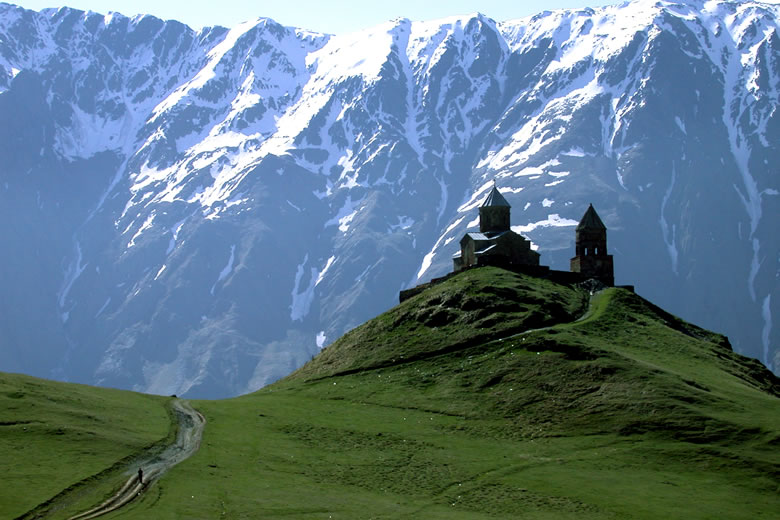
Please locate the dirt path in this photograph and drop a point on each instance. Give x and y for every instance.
(191, 424)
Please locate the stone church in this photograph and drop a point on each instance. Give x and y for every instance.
(495, 244)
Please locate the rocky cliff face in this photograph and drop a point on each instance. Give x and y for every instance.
(199, 212)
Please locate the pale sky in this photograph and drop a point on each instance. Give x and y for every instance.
(335, 16)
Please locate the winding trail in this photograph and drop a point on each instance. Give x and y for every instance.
(191, 424)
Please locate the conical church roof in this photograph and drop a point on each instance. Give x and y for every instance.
(495, 198)
(591, 220)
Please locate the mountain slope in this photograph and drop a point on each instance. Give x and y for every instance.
(199, 212)
(623, 411)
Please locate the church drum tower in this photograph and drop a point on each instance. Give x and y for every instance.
(494, 213)
(591, 257)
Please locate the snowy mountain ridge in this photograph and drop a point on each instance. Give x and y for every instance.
(247, 194)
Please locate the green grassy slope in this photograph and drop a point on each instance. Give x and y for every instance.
(495, 395)
(444, 408)
(57, 436)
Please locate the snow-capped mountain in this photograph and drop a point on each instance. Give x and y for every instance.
(199, 212)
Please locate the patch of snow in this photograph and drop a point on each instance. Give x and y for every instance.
(105, 305)
(146, 225)
(363, 274)
(680, 124)
(755, 265)
(426, 263)
(321, 338)
(428, 259)
(443, 199)
(404, 223)
(160, 272)
(546, 203)
(324, 270)
(538, 133)
(476, 199)
(229, 266)
(553, 220)
(174, 235)
(225, 270)
(346, 220)
(71, 275)
(620, 179)
(345, 215)
(667, 231)
(303, 298)
(214, 56)
(529, 170)
(574, 152)
(766, 314)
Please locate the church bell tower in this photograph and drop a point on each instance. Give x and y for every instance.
(591, 257)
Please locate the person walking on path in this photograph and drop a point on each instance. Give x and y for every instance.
(140, 476)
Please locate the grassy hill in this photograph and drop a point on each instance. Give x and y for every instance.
(494, 395)
(70, 442)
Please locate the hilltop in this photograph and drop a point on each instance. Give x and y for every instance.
(492, 344)
(494, 395)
